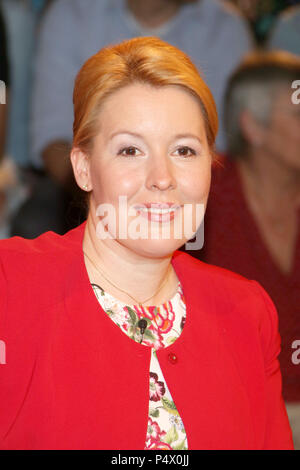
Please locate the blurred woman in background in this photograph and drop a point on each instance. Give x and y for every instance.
(253, 217)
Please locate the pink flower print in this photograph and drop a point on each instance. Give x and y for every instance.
(157, 388)
(164, 317)
(154, 444)
(154, 431)
(155, 341)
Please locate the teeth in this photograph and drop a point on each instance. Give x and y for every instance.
(157, 211)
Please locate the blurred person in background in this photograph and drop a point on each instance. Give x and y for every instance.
(285, 33)
(252, 221)
(213, 33)
(4, 86)
(4, 77)
(262, 14)
(21, 18)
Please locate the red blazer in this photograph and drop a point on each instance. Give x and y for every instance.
(73, 380)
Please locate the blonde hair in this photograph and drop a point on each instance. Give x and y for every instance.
(146, 60)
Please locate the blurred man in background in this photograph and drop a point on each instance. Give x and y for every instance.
(285, 33)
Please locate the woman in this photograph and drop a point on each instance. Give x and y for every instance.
(252, 223)
(120, 341)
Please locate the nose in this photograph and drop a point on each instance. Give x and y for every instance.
(160, 173)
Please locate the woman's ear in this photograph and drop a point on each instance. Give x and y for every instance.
(81, 168)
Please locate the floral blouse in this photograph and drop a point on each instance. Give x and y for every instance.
(165, 430)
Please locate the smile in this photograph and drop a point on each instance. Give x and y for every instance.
(157, 211)
(158, 215)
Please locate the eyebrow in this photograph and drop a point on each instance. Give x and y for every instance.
(188, 136)
(139, 136)
(124, 132)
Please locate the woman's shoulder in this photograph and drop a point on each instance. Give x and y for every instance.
(33, 275)
(45, 244)
(24, 261)
(229, 293)
(210, 274)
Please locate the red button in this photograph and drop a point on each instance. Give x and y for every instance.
(172, 358)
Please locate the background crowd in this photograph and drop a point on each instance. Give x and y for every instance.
(247, 51)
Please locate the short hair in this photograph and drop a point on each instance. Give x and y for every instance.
(254, 87)
(146, 60)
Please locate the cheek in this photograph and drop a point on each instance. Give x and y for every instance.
(283, 136)
(109, 182)
(292, 132)
(196, 184)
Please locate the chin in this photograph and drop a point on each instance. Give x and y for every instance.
(154, 248)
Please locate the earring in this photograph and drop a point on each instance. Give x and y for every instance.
(85, 187)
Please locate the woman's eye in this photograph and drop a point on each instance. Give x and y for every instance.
(128, 152)
(185, 151)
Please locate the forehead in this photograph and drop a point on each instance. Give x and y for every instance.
(142, 107)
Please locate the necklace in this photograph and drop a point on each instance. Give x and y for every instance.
(110, 282)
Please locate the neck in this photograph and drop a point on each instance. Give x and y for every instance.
(273, 182)
(153, 13)
(137, 275)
